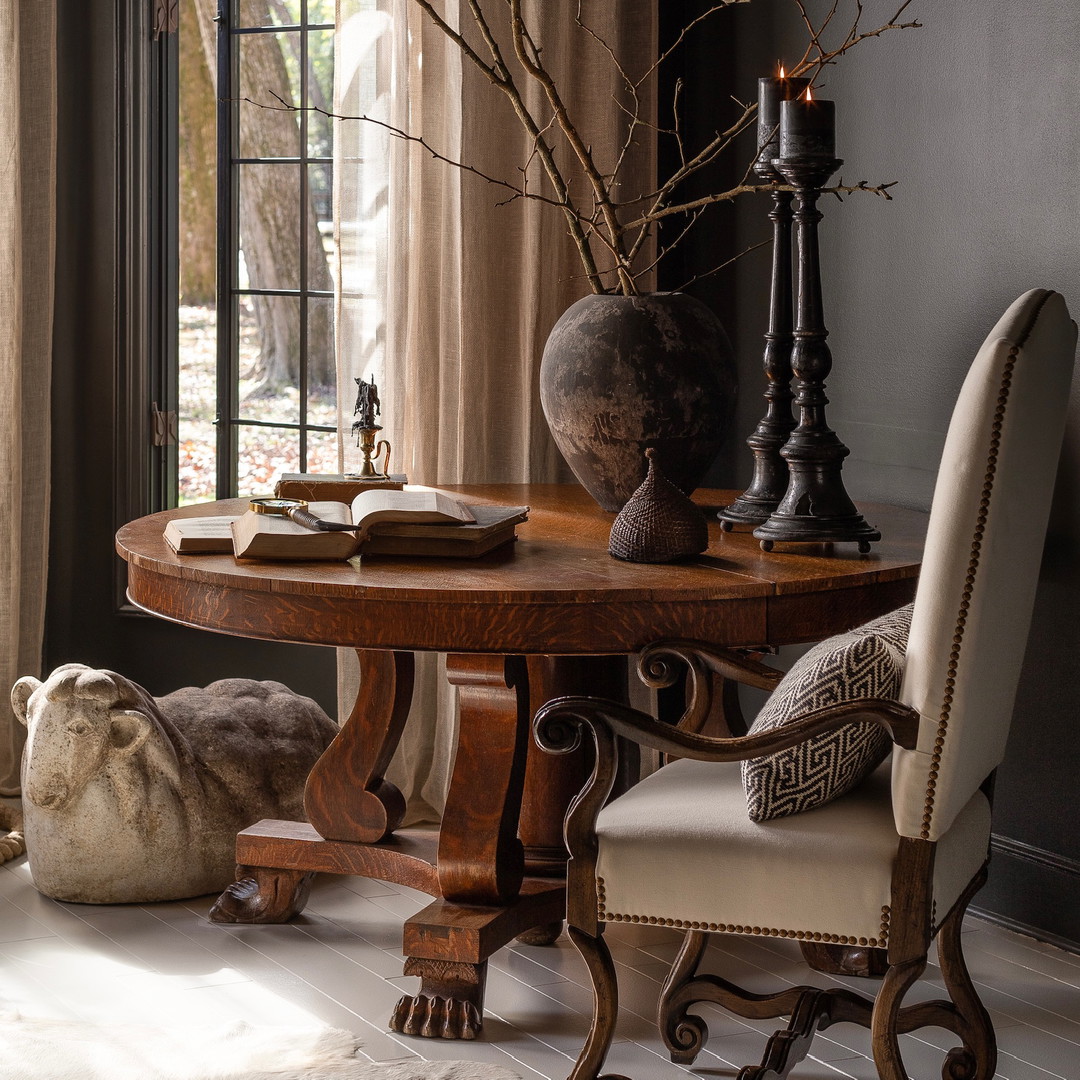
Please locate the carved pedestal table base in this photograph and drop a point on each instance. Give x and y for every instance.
(475, 866)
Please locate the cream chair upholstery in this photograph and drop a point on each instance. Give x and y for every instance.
(894, 862)
(978, 578)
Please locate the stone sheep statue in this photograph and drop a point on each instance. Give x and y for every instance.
(128, 799)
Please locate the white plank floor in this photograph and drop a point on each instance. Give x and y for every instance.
(340, 964)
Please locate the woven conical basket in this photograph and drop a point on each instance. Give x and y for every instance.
(658, 523)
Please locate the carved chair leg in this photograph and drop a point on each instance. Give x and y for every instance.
(683, 1035)
(597, 957)
(977, 1058)
(883, 1025)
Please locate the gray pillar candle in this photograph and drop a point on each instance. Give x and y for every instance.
(772, 90)
(807, 128)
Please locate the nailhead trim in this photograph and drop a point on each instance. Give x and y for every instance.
(965, 599)
(732, 928)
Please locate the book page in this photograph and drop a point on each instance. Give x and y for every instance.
(201, 526)
(410, 504)
(269, 536)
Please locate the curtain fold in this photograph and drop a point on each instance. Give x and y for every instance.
(27, 246)
(447, 290)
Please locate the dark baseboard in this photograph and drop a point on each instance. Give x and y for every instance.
(1033, 891)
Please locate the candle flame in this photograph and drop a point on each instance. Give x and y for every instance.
(782, 74)
(809, 96)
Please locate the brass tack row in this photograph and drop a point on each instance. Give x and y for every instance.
(969, 581)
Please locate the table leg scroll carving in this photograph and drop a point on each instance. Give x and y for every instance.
(481, 859)
(262, 895)
(449, 1004)
(346, 797)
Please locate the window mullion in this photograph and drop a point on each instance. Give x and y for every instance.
(228, 252)
(305, 203)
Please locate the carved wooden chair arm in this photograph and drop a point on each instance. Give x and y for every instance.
(558, 725)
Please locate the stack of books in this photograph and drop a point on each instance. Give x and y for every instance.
(389, 521)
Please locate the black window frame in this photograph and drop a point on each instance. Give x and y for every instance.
(229, 418)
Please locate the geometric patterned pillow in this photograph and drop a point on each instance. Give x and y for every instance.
(867, 662)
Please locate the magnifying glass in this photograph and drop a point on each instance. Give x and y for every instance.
(296, 510)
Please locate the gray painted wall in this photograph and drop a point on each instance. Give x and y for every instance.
(976, 116)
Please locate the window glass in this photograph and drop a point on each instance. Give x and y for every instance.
(256, 359)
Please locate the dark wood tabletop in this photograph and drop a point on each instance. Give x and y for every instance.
(555, 590)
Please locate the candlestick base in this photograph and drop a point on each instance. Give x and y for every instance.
(814, 529)
(816, 509)
(755, 505)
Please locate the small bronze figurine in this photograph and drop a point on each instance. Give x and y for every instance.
(367, 406)
(364, 428)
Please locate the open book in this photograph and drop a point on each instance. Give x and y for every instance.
(266, 536)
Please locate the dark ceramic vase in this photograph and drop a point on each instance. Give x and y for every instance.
(622, 373)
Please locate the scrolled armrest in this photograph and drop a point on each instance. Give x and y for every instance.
(555, 721)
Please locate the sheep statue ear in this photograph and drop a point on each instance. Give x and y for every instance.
(128, 730)
(20, 695)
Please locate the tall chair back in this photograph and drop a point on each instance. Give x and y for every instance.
(981, 563)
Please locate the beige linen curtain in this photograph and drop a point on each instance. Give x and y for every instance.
(445, 296)
(27, 240)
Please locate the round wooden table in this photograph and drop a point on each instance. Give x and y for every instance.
(550, 614)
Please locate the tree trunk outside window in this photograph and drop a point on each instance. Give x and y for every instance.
(269, 200)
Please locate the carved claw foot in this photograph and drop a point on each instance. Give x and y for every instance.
(450, 1003)
(436, 1017)
(261, 895)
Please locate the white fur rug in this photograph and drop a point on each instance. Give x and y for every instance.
(67, 1050)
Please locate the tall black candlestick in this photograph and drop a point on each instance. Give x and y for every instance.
(816, 508)
(770, 477)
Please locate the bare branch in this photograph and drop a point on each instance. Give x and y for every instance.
(529, 58)
(686, 30)
(500, 75)
(632, 114)
(603, 226)
(881, 190)
(727, 262)
(398, 133)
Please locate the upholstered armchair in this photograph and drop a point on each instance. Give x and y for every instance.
(856, 811)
